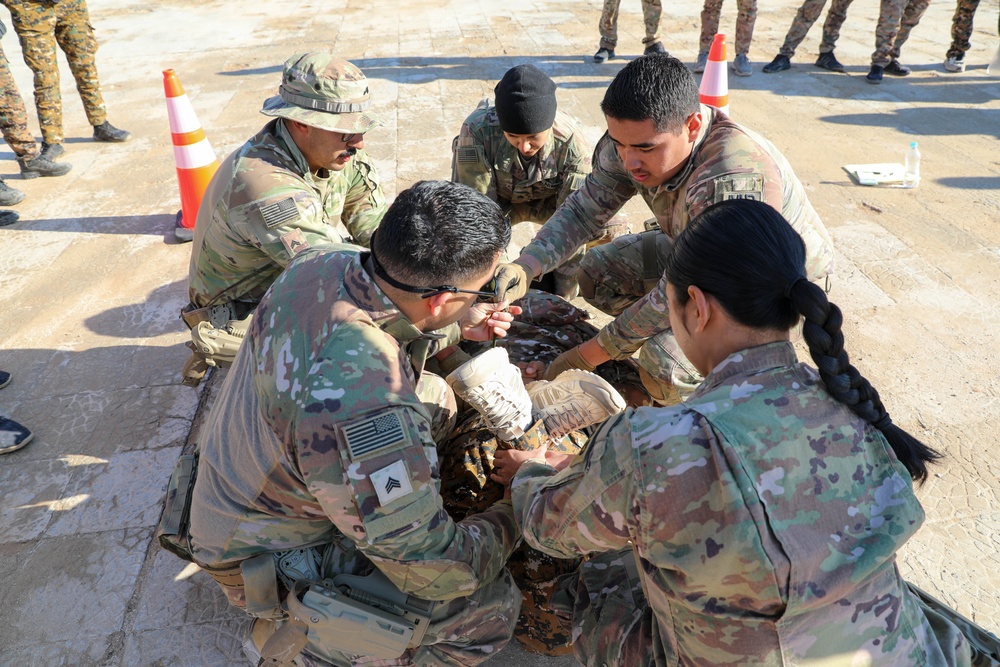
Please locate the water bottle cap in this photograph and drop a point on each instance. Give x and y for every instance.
(913, 144)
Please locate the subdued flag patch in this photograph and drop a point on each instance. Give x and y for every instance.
(391, 482)
(467, 154)
(279, 212)
(374, 434)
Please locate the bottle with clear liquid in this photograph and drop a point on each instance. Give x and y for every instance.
(911, 168)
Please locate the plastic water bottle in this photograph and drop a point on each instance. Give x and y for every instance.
(911, 170)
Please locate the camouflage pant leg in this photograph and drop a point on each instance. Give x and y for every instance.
(609, 24)
(439, 400)
(709, 23)
(831, 27)
(611, 620)
(618, 272)
(35, 24)
(911, 17)
(746, 17)
(804, 18)
(961, 28)
(666, 373)
(889, 15)
(75, 36)
(13, 115)
(651, 11)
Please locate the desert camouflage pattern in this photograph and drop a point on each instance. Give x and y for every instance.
(40, 26)
(264, 205)
(13, 115)
(320, 405)
(961, 28)
(746, 17)
(765, 517)
(651, 10)
(806, 16)
(896, 18)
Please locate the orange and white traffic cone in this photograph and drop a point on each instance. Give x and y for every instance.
(195, 159)
(714, 90)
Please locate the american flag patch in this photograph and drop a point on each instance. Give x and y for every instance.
(279, 212)
(366, 437)
(467, 154)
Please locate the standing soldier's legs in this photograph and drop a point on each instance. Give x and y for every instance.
(961, 28)
(889, 14)
(804, 18)
(911, 17)
(35, 25)
(651, 11)
(745, 20)
(831, 26)
(76, 38)
(709, 23)
(13, 115)
(609, 25)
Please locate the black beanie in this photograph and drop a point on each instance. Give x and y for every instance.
(525, 100)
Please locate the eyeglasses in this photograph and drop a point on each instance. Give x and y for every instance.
(489, 294)
(350, 138)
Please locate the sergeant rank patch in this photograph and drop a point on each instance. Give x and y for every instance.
(391, 482)
(280, 211)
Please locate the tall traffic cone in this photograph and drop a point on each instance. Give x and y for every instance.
(195, 159)
(714, 90)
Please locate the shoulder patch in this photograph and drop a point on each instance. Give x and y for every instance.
(391, 482)
(467, 154)
(739, 186)
(274, 214)
(373, 435)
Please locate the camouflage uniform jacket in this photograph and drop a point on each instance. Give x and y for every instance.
(728, 161)
(318, 434)
(527, 188)
(264, 205)
(765, 517)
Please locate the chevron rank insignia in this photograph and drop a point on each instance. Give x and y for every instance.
(391, 482)
(274, 214)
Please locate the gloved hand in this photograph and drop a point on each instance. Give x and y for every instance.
(571, 358)
(512, 281)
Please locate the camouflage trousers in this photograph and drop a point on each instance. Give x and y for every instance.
(806, 16)
(620, 276)
(13, 115)
(42, 25)
(896, 18)
(961, 28)
(745, 18)
(651, 10)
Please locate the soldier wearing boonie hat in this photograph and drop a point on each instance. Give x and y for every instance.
(292, 186)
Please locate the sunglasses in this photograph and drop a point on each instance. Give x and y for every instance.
(487, 295)
(349, 138)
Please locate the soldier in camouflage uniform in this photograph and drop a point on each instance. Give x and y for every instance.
(14, 125)
(746, 17)
(651, 10)
(304, 180)
(324, 432)
(765, 511)
(961, 31)
(41, 25)
(896, 18)
(804, 18)
(679, 164)
(525, 155)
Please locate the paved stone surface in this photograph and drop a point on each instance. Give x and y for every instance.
(92, 278)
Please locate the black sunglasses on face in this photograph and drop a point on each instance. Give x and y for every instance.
(489, 294)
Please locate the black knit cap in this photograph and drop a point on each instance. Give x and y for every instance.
(525, 100)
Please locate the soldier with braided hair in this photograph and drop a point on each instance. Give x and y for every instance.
(765, 511)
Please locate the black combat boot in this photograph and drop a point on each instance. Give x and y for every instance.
(41, 166)
(875, 75)
(829, 61)
(8, 195)
(779, 64)
(108, 132)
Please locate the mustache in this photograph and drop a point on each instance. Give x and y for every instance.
(351, 152)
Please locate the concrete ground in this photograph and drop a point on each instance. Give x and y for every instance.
(92, 279)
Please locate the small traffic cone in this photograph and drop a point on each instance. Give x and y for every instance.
(195, 159)
(714, 90)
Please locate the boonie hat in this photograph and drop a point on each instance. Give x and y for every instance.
(323, 91)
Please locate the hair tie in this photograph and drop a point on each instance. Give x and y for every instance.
(884, 422)
(791, 286)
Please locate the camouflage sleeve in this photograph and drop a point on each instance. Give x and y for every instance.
(586, 507)
(365, 202)
(376, 476)
(638, 323)
(584, 214)
(470, 165)
(576, 166)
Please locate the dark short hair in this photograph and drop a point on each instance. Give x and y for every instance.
(657, 87)
(438, 232)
